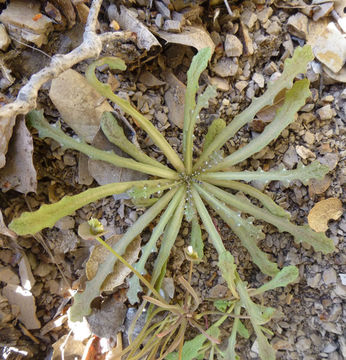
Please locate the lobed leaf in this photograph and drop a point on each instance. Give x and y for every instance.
(292, 67)
(228, 270)
(266, 351)
(301, 233)
(144, 123)
(295, 98)
(213, 130)
(81, 305)
(286, 276)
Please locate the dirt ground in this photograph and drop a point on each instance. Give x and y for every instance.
(251, 40)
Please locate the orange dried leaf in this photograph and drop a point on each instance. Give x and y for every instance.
(324, 211)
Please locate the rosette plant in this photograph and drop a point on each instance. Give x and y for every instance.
(188, 186)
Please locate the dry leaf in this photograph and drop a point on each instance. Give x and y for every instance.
(324, 211)
(22, 298)
(19, 173)
(175, 99)
(193, 36)
(100, 253)
(4, 230)
(105, 173)
(128, 21)
(68, 348)
(79, 104)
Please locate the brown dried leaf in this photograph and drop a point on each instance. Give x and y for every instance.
(100, 253)
(19, 173)
(324, 211)
(79, 104)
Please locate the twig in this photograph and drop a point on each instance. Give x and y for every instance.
(26, 100)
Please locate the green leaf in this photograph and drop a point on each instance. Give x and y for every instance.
(292, 67)
(48, 215)
(115, 134)
(259, 315)
(295, 98)
(196, 238)
(266, 351)
(315, 170)
(286, 276)
(242, 330)
(150, 247)
(248, 233)
(222, 305)
(198, 65)
(228, 270)
(144, 123)
(213, 130)
(301, 233)
(81, 305)
(37, 120)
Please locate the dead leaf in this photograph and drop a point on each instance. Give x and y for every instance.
(18, 296)
(319, 186)
(100, 253)
(149, 80)
(19, 172)
(194, 36)
(324, 211)
(105, 173)
(268, 113)
(4, 230)
(8, 276)
(175, 99)
(79, 104)
(68, 348)
(107, 321)
(26, 278)
(128, 21)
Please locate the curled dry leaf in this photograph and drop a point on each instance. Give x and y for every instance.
(100, 253)
(322, 212)
(19, 173)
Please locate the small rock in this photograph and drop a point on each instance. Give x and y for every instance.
(297, 25)
(326, 112)
(343, 279)
(69, 160)
(159, 21)
(161, 117)
(304, 152)
(342, 343)
(26, 278)
(247, 41)
(332, 327)
(314, 280)
(225, 67)
(330, 159)
(150, 80)
(264, 15)
(43, 269)
(5, 40)
(258, 79)
(309, 138)
(233, 46)
(163, 9)
(172, 26)
(19, 17)
(303, 344)
(290, 158)
(322, 10)
(274, 28)
(241, 85)
(249, 18)
(8, 276)
(65, 223)
(218, 291)
(219, 83)
(329, 276)
(330, 348)
(317, 187)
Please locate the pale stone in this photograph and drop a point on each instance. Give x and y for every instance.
(326, 112)
(258, 79)
(264, 15)
(225, 67)
(309, 138)
(274, 28)
(233, 46)
(172, 26)
(5, 40)
(329, 276)
(297, 25)
(249, 18)
(219, 83)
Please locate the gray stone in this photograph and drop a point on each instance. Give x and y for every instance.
(290, 158)
(172, 26)
(314, 280)
(233, 46)
(326, 112)
(274, 28)
(330, 159)
(297, 25)
(219, 83)
(163, 9)
(264, 15)
(258, 79)
(303, 344)
(159, 20)
(329, 276)
(249, 18)
(225, 67)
